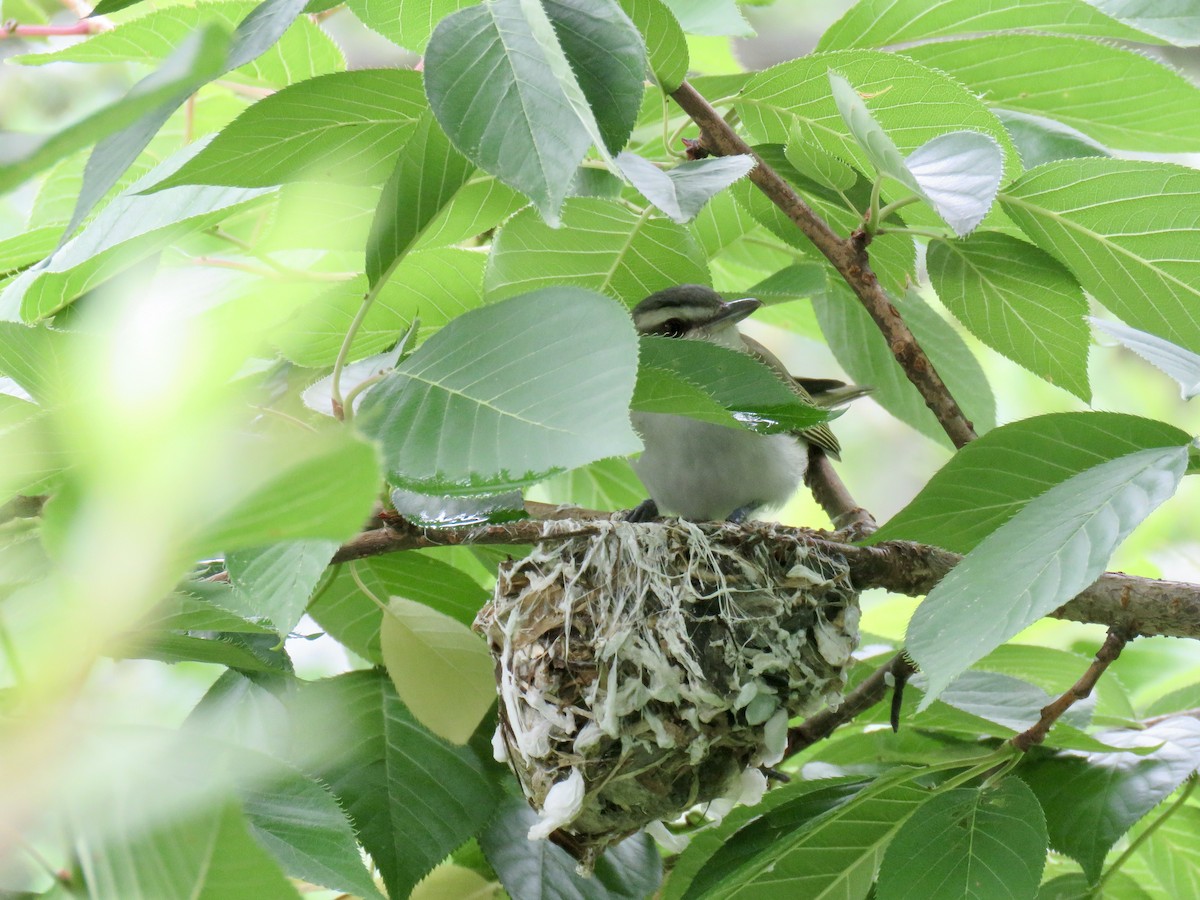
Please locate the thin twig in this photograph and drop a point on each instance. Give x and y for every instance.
(848, 256)
(1113, 644)
(865, 695)
(831, 494)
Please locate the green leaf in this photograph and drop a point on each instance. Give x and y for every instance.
(130, 228)
(968, 842)
(346, 126)
(1172, 853)
(737, 381)
(276, 581)
(682, 191)
(522, 89)
(505, 394)
(601, 245)
(813, 160)
(20, 250)
(1019, 301)
(957, 173)
(427, 176)
(800, 849)
(1038, 560)
(321, 487)
(711, 17)
(1127, 230)
(661, 390)
(908, 105)
(478, 207)
(1011, 702)
(880, 23)
(207, 855)
(304, 51)
(990, 480)
(30, 448)
(200, 606)
(408, 23)
(412, 798)
(666, 44)
(432, 285)
(36, 359)
(194, 62)
(1092, 799)
(609, 484)
(1180, 364)
(1041, 140)
(630, 870)
(1070, 80)
(297, 820)
(442, 671)
(1178, 24)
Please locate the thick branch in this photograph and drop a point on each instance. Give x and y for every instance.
(831, 494)
(848, 256)
(1051, 713)
(1140, 606)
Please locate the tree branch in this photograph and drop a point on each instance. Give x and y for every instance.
(1113, 644)
(831, 494)
(848, 256)
(1139, 606)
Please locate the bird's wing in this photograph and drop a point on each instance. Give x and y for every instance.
(821, 435)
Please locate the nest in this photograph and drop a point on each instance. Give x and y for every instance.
(644, 668)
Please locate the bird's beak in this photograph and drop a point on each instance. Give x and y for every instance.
(733, 311)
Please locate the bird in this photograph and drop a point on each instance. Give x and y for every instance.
(704, 471)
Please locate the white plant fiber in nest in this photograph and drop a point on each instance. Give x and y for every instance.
(643, 669)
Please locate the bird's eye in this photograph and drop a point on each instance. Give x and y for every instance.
(673, 327)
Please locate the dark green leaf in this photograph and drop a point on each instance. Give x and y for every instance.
(523, 89)
(666, 45)
(1092, 799)
(1041, 558)
(1126, 229)
(1041, 140)
(631, 870)
(601, 245)
(991, 479)
(505, 394)
(412, 798)
(660, 390)
(201, 606)
(426, 178)
(235, 650)
(968, 842)
(1019, 301)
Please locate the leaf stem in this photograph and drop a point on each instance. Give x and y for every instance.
(666, 136)
(340, 411)
(1137, 842)
(886, 211)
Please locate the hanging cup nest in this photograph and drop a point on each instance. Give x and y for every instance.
(642, 669)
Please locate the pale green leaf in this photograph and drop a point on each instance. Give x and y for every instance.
(1173, 854)
(1176, 21)
(1019, 301)
(346, 126)
(276, 581)
(131, 227)
(478, 207)
(968, 842)
(304, 51)
(1180, 364)
(408, 23)
(424, 181)
(523, 89)
(1092, 799)
(506, 394)
(666, 44)
(411, 797)
(682, 191)
(442, 670)
(811, 159)
(609, 484)
(711, 17)
(208, 855)
(880, 23)
(20, 250)
(990, 480)
(1070, 80)
(1041, 558)
(601, 245)
(1129, 231)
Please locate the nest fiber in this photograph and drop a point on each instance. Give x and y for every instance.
(642, 669)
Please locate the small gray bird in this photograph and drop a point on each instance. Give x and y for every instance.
(703, 471)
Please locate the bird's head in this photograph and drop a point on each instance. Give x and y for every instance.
(693, 312)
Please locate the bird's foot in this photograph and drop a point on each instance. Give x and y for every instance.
(646, 511)
(738, 516)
